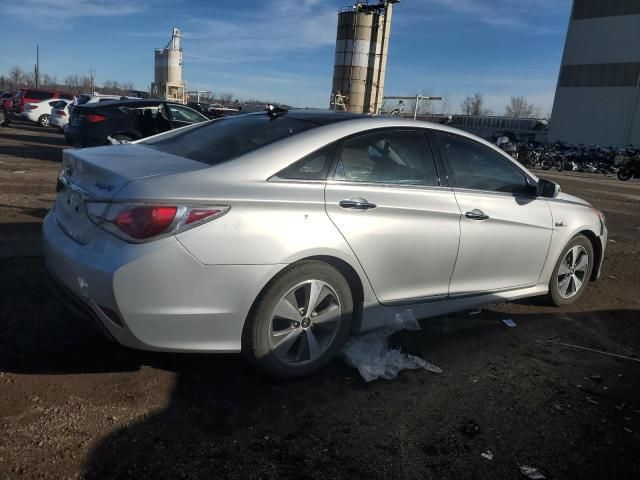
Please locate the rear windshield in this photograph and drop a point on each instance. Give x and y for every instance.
(221, 140)
(82, 99)
(38, 94)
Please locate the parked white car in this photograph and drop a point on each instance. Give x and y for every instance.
(39, 112)
(60, 114)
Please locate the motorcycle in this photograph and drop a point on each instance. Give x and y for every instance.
(631, 169)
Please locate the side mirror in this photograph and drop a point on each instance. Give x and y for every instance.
(547, 188)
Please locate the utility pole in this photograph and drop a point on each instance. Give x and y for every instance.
(37, 67)
(91, 75)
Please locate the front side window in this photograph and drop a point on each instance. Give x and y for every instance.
(477, 167)
(393, 157)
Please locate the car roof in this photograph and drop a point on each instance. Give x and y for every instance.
(321, 117)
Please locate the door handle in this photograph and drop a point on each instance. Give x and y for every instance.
(357, 204)
(476, 214)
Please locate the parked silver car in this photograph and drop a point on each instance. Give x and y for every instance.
(279, 234)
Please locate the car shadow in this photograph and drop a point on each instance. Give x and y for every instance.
(36, 212)
(33, 152)
(58, 140)
(223, 419)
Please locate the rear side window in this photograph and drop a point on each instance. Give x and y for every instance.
(392, 157)
(221, 140)
(311, 167)
(477, 167)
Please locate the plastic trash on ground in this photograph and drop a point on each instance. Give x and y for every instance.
(531, 472)
(370, 353)
(509, 322)
(488, 455)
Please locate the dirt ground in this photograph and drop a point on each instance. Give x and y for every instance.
(73, 406)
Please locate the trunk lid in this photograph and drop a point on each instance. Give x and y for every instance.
(97, 174)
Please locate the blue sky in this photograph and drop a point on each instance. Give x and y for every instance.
(283, 50)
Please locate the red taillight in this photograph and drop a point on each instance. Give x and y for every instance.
(197, 215)
(61, 113)
(94, 118)
(145, 222)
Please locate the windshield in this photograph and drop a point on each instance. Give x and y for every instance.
(221, 140)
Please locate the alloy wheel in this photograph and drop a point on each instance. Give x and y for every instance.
(305, 322)
(573, 271)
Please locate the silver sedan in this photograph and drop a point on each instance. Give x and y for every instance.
(279, 234)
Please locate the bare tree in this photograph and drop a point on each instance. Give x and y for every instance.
(225, 97)
(445, 103)
(473, 105)
(16, 78)
(518, 107)
(126, 87)
(72, 82)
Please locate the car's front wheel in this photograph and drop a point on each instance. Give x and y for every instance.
(572, 272)
(300, 322)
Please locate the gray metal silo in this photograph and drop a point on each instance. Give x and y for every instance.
(360, 66)
(168, 83)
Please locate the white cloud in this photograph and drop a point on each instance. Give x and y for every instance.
(525, 15)
(275, 28)
(49, 13)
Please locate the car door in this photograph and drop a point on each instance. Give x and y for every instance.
(181, 116)
(505, 230)
(386, 199)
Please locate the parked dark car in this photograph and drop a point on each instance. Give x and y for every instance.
(91, 124)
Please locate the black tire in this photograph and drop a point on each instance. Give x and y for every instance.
(257, 330)
(43, 121)
(560, 166)
(624, 174)
(554, 296)
(545, 165)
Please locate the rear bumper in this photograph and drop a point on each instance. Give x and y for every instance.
(56, 121)
(78, 137)
(28, 115)
(166, 299)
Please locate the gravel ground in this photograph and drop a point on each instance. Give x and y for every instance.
(73, 406)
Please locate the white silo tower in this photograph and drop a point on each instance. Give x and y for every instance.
(168, 83)
(360, 64)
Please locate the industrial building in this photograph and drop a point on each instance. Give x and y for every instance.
(168, 83)
(597, 93)
(360, 66)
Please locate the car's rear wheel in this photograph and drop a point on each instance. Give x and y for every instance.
(572, 272)
(44, 120)
(300, 322)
